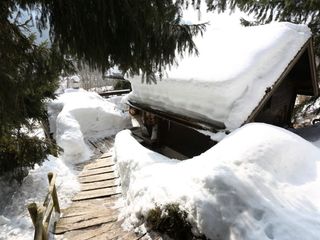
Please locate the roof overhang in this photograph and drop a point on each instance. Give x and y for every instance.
(307, 53)
(208, 124)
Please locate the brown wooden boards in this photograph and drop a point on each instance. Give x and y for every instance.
(100, 163)
(93, 213)
(101, 184)
(98, 178)
(97, 193)
(96, 171)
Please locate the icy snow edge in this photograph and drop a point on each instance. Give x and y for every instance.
(265, 188)
(229, 77)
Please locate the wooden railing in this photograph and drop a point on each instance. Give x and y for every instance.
(114, 92)
(41, 215)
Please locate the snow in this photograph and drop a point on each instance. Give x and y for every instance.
(260, 182)
(78, 114)
(229, 77)
(15, 222)
(74, 117)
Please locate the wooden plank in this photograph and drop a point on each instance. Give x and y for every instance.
(89, 213)
(69, 224)
(106, 202)
(117, 233)
(96, 171)
(100, 164)
(101, 184)
(77, 212)
(106, 155)
(103, 192)
(102, 146)
(90, 233)
(102, 160)
(98, 178)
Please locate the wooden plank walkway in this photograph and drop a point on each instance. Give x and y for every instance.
(93, 214)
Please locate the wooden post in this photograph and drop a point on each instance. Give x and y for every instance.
(55, 200)
(43, 213)
(40, 233)
(32, 208)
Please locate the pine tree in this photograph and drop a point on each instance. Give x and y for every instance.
(28, 74)
(133, 34)
(296, 11)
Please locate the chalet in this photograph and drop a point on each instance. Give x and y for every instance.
(253, 79)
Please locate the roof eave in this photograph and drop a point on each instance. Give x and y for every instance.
(307, 46)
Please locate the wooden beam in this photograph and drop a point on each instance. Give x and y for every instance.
(283, 75)
(313, 71)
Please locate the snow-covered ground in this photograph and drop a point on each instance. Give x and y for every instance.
(260, 182)
(15, 222)
(74, 116)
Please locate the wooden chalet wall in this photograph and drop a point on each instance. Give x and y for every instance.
(298, 78)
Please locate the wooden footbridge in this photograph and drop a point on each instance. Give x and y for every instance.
(93, 213)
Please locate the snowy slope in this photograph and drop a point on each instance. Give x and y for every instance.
(229, 77)
(266, 188)
(78, 114)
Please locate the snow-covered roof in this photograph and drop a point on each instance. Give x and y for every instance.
(230, 76)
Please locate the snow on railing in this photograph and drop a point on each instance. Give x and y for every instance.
(41, 215)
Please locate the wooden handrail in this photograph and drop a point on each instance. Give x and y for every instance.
(114, 92)
(41, 215)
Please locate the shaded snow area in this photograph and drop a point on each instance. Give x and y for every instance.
(74, 116)
(260, 182)
(78, 114)
(15, 222)
(310, 133)
(228, 79)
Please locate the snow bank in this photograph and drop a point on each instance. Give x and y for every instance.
(229, 77)
(15, 222)
(267, 187)
(78, 114)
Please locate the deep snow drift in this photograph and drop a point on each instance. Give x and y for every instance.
(260, 182)
(78, 114)
(228, 79)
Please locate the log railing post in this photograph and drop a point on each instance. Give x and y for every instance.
(51, 177)
(41, 215)
(32, 208)
(40, 233)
